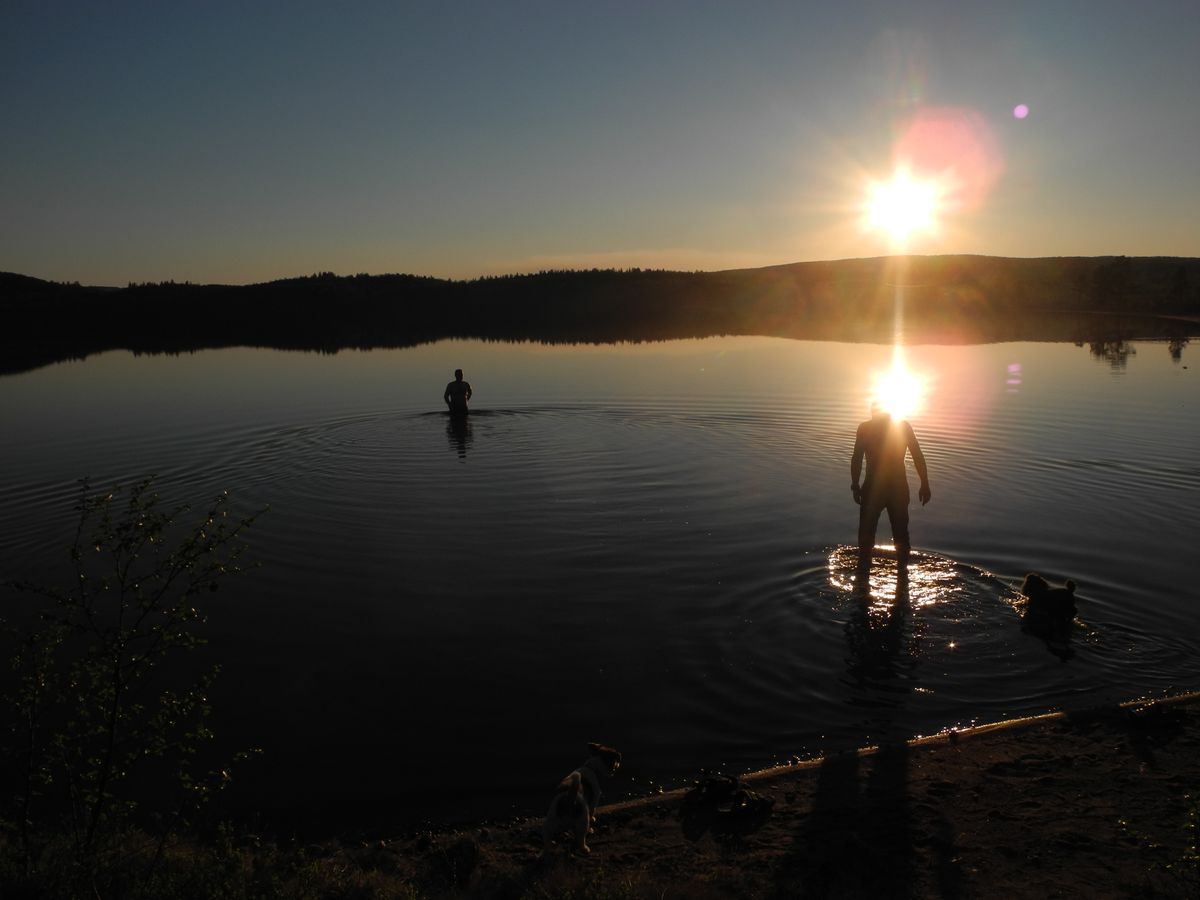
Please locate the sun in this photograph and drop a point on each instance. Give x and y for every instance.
(902, 207)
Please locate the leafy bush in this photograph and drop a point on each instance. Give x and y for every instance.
(94, 726)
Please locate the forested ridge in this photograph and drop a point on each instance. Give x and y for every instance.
(946, 299)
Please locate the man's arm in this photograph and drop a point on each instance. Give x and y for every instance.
(468, 384)
(446, 396)
(856, 459)
(918, 459)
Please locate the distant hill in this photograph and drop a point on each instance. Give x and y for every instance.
(946, 299)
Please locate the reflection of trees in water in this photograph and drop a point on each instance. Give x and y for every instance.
(1116, 349)
(1115, 352)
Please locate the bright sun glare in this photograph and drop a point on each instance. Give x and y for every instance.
(898, 391)
(902, 206)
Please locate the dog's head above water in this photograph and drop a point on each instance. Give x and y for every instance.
(1035, 586)
(1046, 603)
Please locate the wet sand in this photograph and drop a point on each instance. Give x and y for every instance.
(1102, 803)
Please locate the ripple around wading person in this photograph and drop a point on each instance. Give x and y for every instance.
(938, 643)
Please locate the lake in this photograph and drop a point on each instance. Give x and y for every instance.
(647, 545)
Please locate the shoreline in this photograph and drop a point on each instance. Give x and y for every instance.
(1103, 801)
(949, 736)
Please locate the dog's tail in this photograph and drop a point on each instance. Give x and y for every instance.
(572, 784)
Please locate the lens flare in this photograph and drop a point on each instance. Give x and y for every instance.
(1014, 378)
(955, 149)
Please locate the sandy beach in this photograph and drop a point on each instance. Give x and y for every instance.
(1103, 803)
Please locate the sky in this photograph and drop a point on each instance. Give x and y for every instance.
(242, 142)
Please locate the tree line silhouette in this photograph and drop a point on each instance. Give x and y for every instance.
(947, 299)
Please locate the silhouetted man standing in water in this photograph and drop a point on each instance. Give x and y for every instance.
(884, 443)
(458, 392)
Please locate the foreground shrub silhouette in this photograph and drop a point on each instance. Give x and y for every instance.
(102, 722)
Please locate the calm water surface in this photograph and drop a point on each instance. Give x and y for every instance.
(645, 545)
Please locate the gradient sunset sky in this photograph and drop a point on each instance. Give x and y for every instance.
(240, 142)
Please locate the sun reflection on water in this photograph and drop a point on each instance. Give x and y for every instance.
(898, 390)
(931, 579)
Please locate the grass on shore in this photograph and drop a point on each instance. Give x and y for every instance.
(252, 869)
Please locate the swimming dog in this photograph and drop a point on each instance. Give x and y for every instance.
(1047, 602)
(574, 806)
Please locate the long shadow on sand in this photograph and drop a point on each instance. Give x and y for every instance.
(858, 839)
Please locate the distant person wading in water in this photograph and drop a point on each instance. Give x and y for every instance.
(458, 392)
(884, 443)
